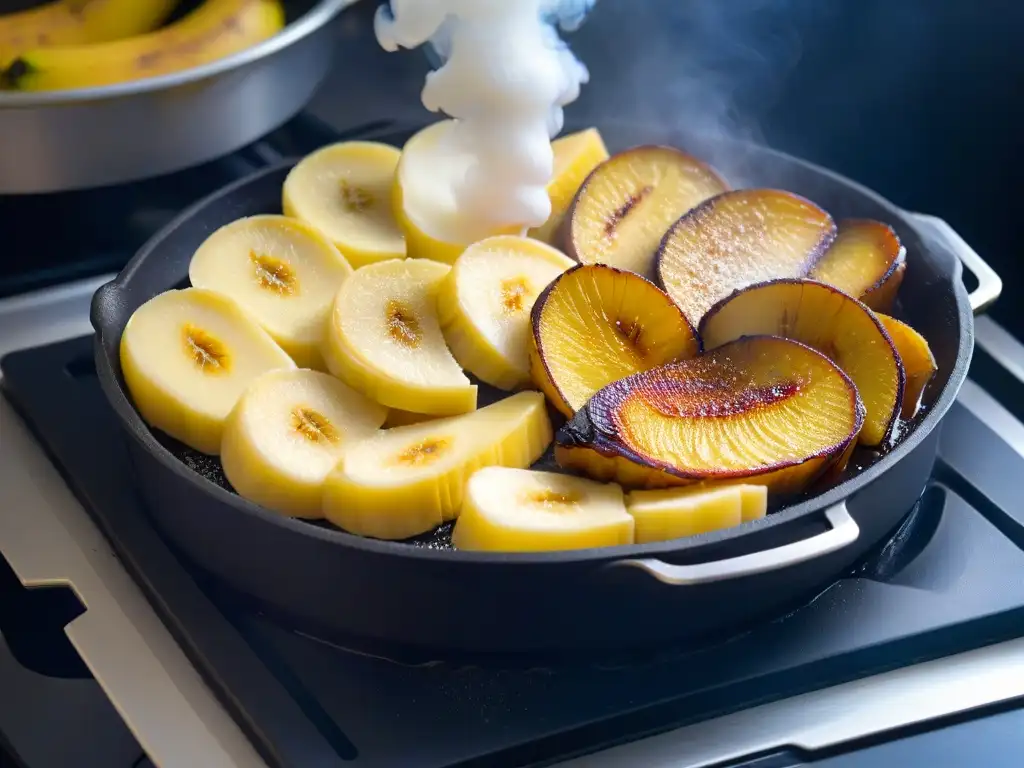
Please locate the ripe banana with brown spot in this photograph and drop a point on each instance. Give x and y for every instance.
(78, 22)
(216, 29)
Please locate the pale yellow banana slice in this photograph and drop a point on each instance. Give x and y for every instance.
(484, 305)
(384, 339)
(344, 190)
(519, 510)
(678, 512)
(187, 356)
(281, 270)
(405, 481)
(423, 201)
(576, 155)
(286, 433)
(753, 502)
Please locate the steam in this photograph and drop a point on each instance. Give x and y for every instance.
(505, 77)
(698, 74)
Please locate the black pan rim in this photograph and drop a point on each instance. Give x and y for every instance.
(140, 432)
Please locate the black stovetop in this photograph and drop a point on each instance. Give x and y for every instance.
(952, 578)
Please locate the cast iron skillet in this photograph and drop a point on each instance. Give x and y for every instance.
(424, 594)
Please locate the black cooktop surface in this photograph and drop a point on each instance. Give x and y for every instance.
(951, 579)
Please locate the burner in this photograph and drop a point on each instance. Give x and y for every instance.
(946, 582)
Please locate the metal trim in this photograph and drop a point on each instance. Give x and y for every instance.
(992, 413)
(47, 315)
(843, 532)
(825, 718)
(1000, 345)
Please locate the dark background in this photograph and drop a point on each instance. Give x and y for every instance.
(915, 98)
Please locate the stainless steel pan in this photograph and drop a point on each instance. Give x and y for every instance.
(64, 140)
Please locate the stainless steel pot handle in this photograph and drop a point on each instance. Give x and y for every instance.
(990, 285)
(844, 531)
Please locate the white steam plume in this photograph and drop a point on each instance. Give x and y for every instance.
(505, 77)
(699, 74)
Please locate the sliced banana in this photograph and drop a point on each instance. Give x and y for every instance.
(519, 510)
(576, 155)
(187, 356)
(405, 481)
(286, 433)
(384, 339)
(753, 502)
(344, 190)
(484, 305)
(282, 270)
(678, 512)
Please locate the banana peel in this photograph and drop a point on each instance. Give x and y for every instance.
(79, 22)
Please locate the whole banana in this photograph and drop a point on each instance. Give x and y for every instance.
(77, 22)
(214, 30)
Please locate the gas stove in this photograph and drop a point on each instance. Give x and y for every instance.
(928, 631)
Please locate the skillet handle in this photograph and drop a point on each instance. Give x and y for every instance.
(844, 532)
(990, 285)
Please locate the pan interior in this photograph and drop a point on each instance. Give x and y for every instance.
(928, 298)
